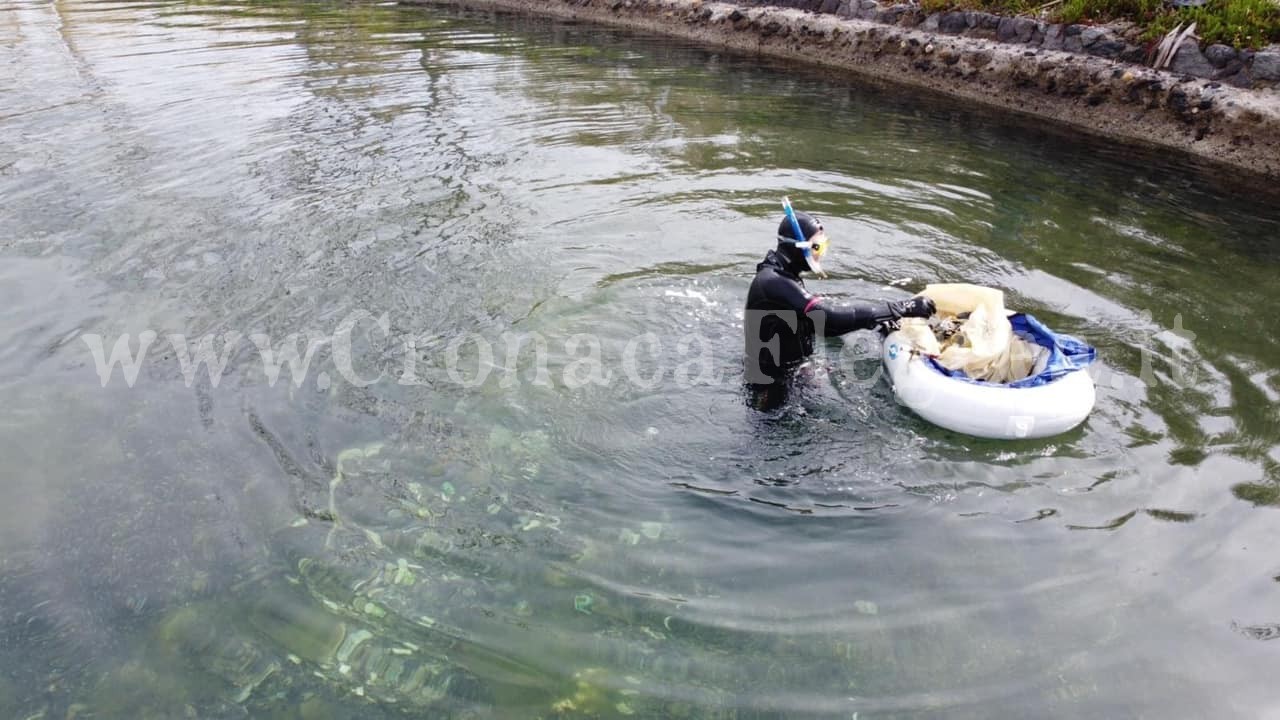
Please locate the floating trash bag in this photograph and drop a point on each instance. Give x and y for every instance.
(974, 337)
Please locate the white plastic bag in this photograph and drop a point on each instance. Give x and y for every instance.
(985, 347)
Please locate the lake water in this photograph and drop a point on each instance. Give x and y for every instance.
(520, 477)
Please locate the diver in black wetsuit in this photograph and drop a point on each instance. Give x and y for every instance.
(782, 319)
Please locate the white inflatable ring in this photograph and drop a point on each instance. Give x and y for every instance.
(986, 411)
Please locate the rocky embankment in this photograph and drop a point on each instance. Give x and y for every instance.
(1086, 78)
(1117, 41)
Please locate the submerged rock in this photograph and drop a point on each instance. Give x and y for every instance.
(590, 697)
(193, 637)
(297, 627)
(301, 642)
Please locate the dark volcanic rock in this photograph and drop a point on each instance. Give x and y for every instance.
(1015, 29)
(1005, 31)
(983, 21)
(1071, 38)
(1234, 67)
(1188, 60)
(1107, 47)
(1023, 29)
(1053, 37)
(953, 22)
(1266, 66)
(890, 16)
(1220, 55)
(1089, 36)
(1135, 54)
(1241, 79)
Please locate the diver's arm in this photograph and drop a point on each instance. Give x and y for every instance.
(788, 293)
(841, 319)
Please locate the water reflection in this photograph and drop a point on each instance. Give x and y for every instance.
(232, 547)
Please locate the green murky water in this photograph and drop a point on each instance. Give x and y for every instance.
(466, 537)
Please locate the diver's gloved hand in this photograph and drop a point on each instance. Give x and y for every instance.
(917, 307)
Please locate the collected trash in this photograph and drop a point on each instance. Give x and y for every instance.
(971, 333)
(978, 369)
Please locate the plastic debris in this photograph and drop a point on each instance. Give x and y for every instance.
(971, 333)
(582, 603)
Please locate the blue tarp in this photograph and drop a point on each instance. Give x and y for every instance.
(1066, 354)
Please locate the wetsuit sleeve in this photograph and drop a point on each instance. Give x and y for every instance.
(835, 320)
(790, 294)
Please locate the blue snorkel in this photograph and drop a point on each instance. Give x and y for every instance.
(800, 238)
(791, 215)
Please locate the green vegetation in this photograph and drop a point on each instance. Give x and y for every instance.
(1142, 12)
(1239, 23)
(998, 7)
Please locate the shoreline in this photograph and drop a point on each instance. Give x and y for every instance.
(1225, 129)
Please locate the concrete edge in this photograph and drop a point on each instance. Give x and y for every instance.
(1223, 128)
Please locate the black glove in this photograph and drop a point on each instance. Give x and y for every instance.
(917, 307)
